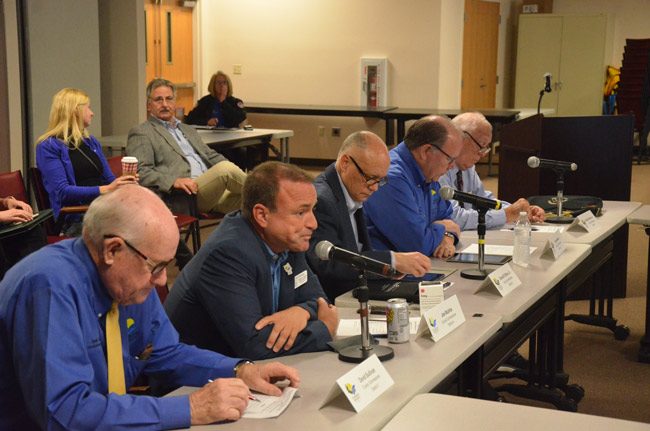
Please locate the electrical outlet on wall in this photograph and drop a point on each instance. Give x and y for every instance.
(236, 69)
(336, 132)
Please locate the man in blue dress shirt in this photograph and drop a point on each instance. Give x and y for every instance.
(408, 214)
(477, 136)
(53, 319)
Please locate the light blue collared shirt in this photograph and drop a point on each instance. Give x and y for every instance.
(197, 165)
(277, 260)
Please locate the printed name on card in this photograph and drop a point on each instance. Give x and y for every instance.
(442, 319)
(554, 247)
(361, 385)
(503, 279)
(586, 221)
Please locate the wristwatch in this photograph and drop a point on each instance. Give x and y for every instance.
(453, 237)
(241, 364)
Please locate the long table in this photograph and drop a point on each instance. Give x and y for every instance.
(429, 411)
(417, 368)
(390, 114)
(599, 264)
(642, 216)
(222, 140)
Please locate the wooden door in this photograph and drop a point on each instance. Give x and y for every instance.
(169, 37)
(582, 62)
(539, 44)
(480, 49)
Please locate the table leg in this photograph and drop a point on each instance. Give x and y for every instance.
(644, 351)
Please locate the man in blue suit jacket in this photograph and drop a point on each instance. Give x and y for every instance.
(360, 169)
(249, 288)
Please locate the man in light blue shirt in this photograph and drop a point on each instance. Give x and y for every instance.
(477, 136)
(172, 157)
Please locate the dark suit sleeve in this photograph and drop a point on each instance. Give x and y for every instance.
(234, 289)
(201, 112)
(233, 112)
(336, 277)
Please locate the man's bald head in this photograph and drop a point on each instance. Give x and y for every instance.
(133, 212)
(363, 159)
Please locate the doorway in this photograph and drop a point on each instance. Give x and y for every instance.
(169, 49)
(480, 49)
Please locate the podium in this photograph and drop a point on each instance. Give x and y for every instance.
(600, 145)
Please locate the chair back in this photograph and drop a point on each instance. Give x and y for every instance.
(115, 163)
(11, 184)
(40, 194)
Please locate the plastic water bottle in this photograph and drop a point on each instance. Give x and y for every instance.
(521, 252)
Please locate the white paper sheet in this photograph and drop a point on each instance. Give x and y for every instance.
(349, 327)
(268, 406)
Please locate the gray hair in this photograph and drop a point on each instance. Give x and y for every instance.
(471, 122)
(119, 213)
(430, 130)
(355, 140)
(159, 82)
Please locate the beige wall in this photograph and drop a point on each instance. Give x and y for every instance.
(121, 33)
(13, 87)
(63, 52)
(308, 52)
(626, 18)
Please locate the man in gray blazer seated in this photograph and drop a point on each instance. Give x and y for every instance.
(360, 169)
(172, 156)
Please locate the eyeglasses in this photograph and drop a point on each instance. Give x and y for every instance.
(156, 268)
(481, 149)
(160, 99)
(370, 181)
(222, 82)
(449, 158)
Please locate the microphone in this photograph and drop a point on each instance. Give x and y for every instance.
(547, 86)
(325, 250)
(479, 202)
(536, 162)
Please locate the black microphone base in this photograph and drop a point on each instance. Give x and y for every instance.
(559, 219)
(475, 274)
(356, 354)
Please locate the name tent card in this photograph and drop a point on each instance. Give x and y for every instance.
(362, 384)
(431, 294)
(586, 221)
(503, 279)
(441, 319)
(554, 247)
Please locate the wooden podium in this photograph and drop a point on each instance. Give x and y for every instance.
(601, 146)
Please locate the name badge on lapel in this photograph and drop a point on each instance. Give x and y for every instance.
(300, 279)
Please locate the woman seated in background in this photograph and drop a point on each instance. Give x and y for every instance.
(219, 108)
(71, 161)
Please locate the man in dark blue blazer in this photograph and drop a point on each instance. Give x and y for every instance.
(249, 289)
(360, 169)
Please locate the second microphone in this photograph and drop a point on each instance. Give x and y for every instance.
(325, 250)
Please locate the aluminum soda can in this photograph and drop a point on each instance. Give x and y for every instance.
(397, 319)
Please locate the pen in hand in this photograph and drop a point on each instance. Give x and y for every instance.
(250, 396)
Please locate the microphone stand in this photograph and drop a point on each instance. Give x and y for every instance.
(481, 272)
(539, 101)
(559, 217)
(360, 353)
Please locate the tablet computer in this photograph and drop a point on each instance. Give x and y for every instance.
(490, 259)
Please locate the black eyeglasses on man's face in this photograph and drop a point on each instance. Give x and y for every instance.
(450, 159)
(156, 268)
(370, 181)
(481, 149)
